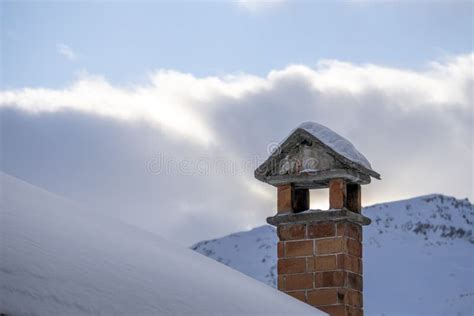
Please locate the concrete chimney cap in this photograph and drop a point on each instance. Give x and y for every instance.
(311, 156)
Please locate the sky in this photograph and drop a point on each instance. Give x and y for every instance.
(157, 113)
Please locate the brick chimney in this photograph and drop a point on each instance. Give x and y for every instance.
(319, 252)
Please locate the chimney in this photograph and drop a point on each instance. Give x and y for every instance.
(319, 252)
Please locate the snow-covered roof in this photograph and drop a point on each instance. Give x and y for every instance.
(60, 259)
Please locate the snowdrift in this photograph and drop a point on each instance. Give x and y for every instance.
(60, 259)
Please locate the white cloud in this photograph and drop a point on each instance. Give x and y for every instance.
(89, 141)
(181, 102)
(66, 51)
(176, 101)
(259, 5)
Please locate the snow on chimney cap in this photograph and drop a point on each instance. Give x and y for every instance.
(312, 155)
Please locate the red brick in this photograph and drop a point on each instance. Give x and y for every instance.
(281, 282)
(299, 295)
(350, 230)
(353, 298)
(299, 248)
(341, 310)
(337, 193)
(281, 249)
(300, 281)
(330, 279)
(321, 230)
(291, 231)
(354, 231)
(334, 310)
(310, 264)
(354, 248)
(322, 297)
(291, 265)
(284, 198)
(341, 261)
(349, 263)
(341, 229)
(329, 246)
(354, 281)
(354, 311)
(322, 263)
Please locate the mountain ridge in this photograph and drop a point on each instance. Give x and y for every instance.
(427, 240)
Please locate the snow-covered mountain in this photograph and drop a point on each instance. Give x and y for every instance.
(418, 256)
(60, 259)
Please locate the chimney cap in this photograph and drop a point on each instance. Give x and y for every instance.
(312, 155)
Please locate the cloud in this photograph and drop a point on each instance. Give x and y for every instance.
(176, 155)
(66, 51)
(259, 5)
(181, 102)
(173, 100)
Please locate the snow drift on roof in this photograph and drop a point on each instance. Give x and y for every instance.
(336, 142)
(59, 259)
